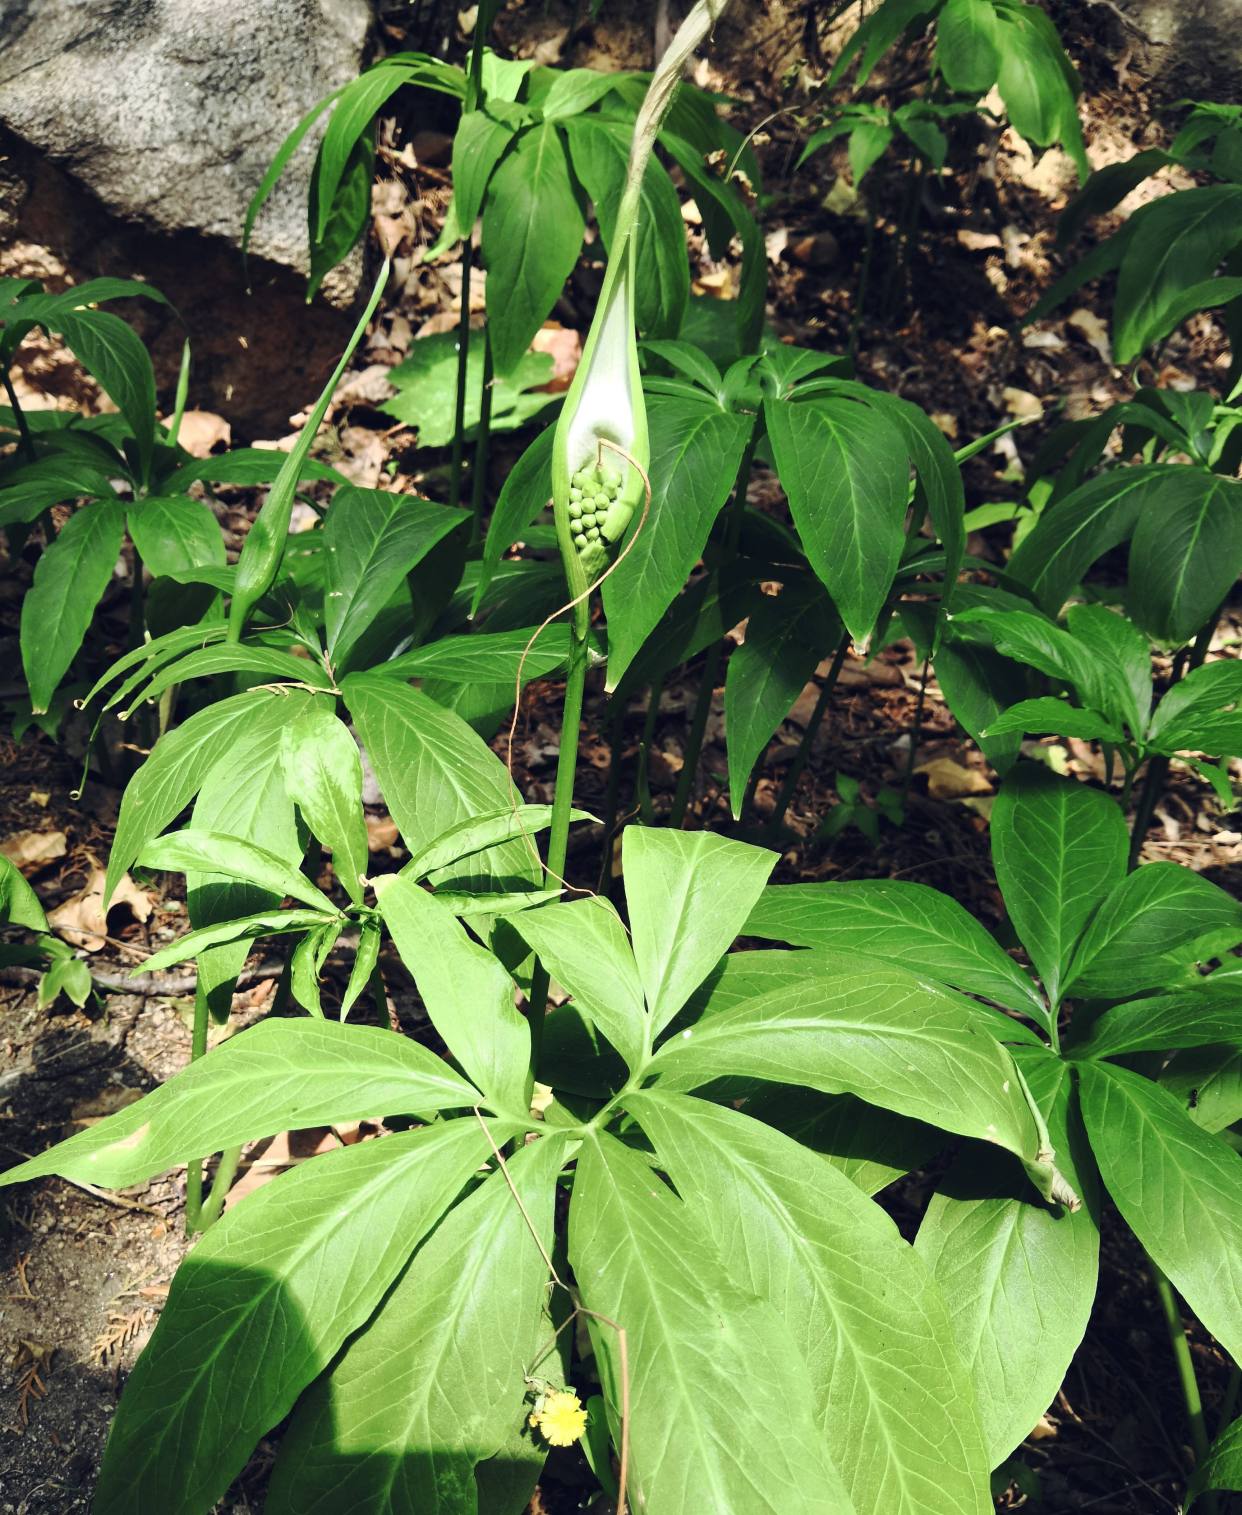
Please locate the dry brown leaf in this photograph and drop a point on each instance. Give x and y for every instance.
(565, 348)
(1022, 403)
(1092, 330)
(947, 780)
(82, 919)
(30, 850)
(202, 431)
(382, 833)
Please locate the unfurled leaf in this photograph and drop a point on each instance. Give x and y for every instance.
(1202, 712)
(689, 1329)
(1058, 848)
(277, 1076)
(1187, 553)
(891, 1399)
(175, 532)
(233, 856)
(1206, 1015)
(689, 894)
(250, 1325)
(323, 777)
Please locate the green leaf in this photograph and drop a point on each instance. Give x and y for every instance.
(689, 895)
(68, 976)
(532, 231)
(345, 216)
(1206, 1015)
(260, 1307)
(1178, 241)
(434, 772)
(910, 925)
(599, 150)
(876, 35)
(968, 43)
(352, 115)
(1049, 715)
(366, 957)
(1058, 848)
(229, 657)
(891, 1399)
(191, 849)
(696, 451)
(113, 353)
(978, 684)
(1155, 924)
(1201, 711)
(1037, 82)
(245, 465)
(237, 934)
(323, 777)
(1207, 1083)
(1178, 1188)
(30, 490)
(468, 994)
(785, 638)
(1222, 1467)
(479, 832)
(1018, 1278)
(434, 1382)
(1187, 553)
(1033, 639)
(373, 538)
(175, 532)
(690, 1330)
(879, 1033)
(19, 904)
(1088, 522)
(280, 1075)
(1125, 653)
(585, 948)
(525, 492)
(846, 472)
(479, 144)
(486, 657)
(69, 580)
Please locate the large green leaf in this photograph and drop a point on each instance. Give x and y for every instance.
(175, 532)
(323, 777)
(262, 1304)
(1178, 1188)
(485, 657)
(600, 150)
(893, 1402)
(1126, 652)
(1058, 848)
(881, 1033)
(1033, 639)
(786, 637)
(1208, 1015)
(433, 1383)
(585, 948)
(1207, 1084)
(238, 931)
(434, 772)
(689, 894)
(1151, 930)
(69, 579)
(113, 352)
(1202, 711)
(277, 1076)
(696, 451)
(1019, 1279)
(532, 233)
(846, 470)
(468, 994)
(1222, 1467)
(911, 925)
(236, 858)
(720, 1409)
(1178, 242)
(373, 538)
(968, 45)
(1187, 554)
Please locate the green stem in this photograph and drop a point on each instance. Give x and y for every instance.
(1185, 1374)
(1229, 1404)
(562, 804)
(612, 796)
(226, 1172)
(478, 476)
(1158, 766)
(694, 739)
(194, 1168)
(183, 392)
(463, 359)
(19, 415)
(794, 772)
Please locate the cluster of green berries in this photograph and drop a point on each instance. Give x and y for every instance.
(592, 492)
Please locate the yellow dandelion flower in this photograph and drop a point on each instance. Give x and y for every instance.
(562, 1420)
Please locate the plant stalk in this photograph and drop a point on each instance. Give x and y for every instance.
(794, 772)
(19, 415)
(1187, 1381)
(562, 805)
(478, 471)
(694, 739)
(463, 360)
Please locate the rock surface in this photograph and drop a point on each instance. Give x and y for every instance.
(134, 133)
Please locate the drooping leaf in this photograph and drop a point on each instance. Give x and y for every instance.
(235, 857)
(968, 42)
(1187, 553)
(113, 352)
(689, 894)
(1058, 848)
(277, 1076)
(1019, 1280)
(1207, 1084)
(69, 579)
(323, 777)
(688, 1330)
(238, 934)
(1208, 1014)
(249, 1324)
(1201, 711)
(431, 1385)
(892, 1401)
(1178, 1188)
(1050, 716)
